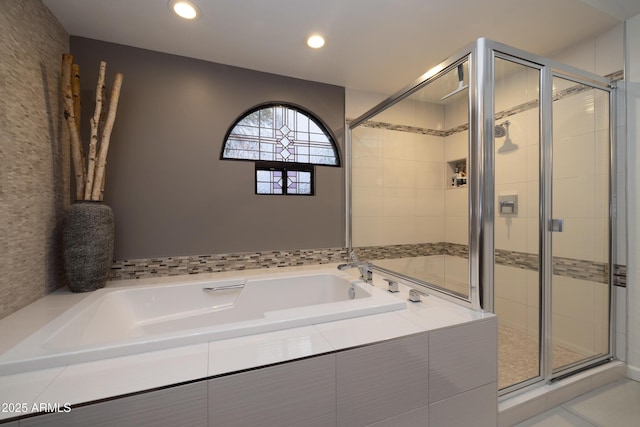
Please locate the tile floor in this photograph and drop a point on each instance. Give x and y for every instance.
(614, 405)
(518, 356)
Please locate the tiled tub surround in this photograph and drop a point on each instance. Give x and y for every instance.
(433, 363)
(198, 264)
(124, 320)
(565, 267)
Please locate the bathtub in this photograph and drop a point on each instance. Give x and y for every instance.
(121, 321)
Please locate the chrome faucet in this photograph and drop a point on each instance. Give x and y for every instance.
(366, 271)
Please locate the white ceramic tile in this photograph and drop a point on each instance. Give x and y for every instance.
(608, 376)
(576, 240)
(367, 201)
(572, 333)
(511, 314)
(612, 405)
(574, 156)
(429, 229)
(430, 148)
(396, 230)
(382, 380)
(511, 233)
(431, 314)
(399, 145)
(264, 349)
(456, 230)
(521, 412)
(566, 390)
(90, 381)
(574, 197)
(510, 283)
(557, 417)
(184, 405)
(477, 407)
(366, 231)
(24, 388)
(367, 176)
(300, 393)
(398, 173)
(456, 202)
(430, 202)
(462, 358)
(621, 309)
(456, 146)
(428, 175)
(399, 202)
(416, 418)
(511, 167)
(621, 346)
(367, 329)
(532, 153)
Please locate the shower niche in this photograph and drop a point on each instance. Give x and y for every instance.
(456, 179)
(457, 173)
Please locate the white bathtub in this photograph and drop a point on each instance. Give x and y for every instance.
(121, 321)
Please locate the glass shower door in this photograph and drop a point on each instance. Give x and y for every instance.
(580, 224)
(517, 220)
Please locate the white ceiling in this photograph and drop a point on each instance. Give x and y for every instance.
(372, 45)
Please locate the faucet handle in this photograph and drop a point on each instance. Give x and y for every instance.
(393, 285)
(414, 295)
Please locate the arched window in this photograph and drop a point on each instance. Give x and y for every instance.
(285, 142)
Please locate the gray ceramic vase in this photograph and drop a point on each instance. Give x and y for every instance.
(87, 236)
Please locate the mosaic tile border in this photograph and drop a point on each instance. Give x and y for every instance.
(180, 265)
(174, 266)
(566, 267)
(573, 90)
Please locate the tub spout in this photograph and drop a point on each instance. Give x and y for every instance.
(366, 271)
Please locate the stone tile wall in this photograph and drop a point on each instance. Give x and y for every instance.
(34, 166)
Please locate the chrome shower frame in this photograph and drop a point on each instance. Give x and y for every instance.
(481, 56)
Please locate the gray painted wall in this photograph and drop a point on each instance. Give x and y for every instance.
(170, 193)
(34, 171)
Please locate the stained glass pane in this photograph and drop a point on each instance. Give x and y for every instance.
(280, 133)
(268, 181)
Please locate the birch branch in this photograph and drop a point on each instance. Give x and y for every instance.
(75, 88)
(93, 142)
(69, 115)
(106, 135)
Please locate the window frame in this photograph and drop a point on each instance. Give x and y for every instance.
(284, 167)
(319, 122)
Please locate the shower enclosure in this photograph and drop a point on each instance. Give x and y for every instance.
(490, 181)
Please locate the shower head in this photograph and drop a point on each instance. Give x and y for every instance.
(461, 85)
(503, 130)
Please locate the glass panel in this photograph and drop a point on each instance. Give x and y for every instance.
(269, 181)
(410, 202)
(580, 284)
(517, 221)
(280, 133)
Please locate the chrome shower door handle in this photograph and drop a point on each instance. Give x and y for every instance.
(557, 224)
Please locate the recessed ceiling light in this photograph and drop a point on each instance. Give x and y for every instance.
(315, 41)
(184, 9)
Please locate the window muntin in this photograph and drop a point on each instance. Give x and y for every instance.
(285, 179)
(280, 133)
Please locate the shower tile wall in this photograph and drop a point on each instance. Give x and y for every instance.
(399, 178)
(603, 55)
(579, 197)
(517, 172)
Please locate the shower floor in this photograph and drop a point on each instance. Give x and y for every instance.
(518, 356)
